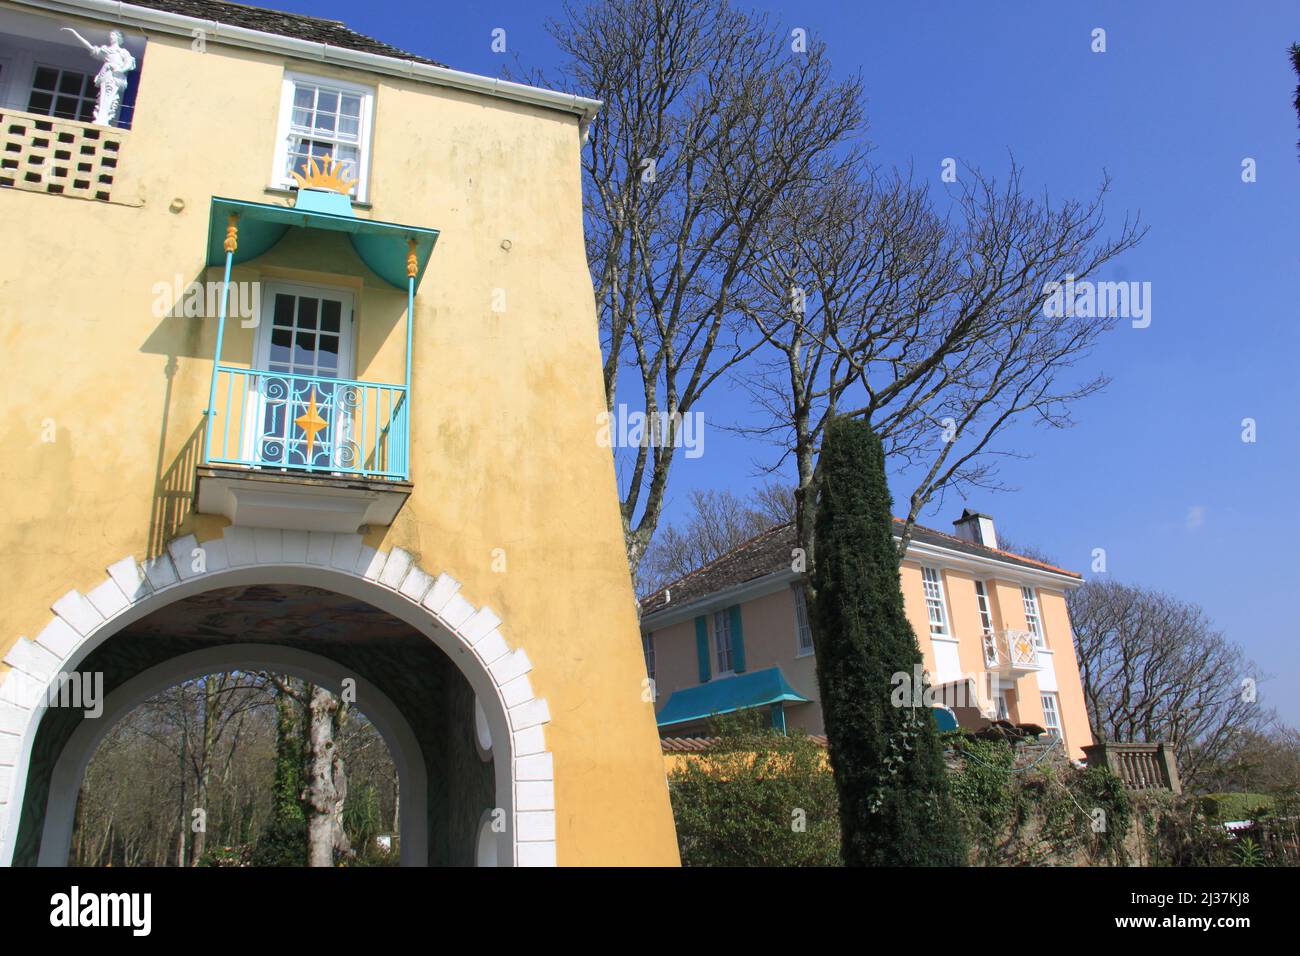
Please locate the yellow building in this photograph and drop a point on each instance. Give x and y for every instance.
(380, 471)
(993, 628)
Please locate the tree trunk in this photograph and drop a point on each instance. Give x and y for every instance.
(327, 786)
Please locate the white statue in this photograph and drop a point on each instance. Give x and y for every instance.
(111, 79)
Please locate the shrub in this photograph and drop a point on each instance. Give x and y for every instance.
(756, 798)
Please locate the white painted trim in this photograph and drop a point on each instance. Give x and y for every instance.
(335, 562)
(179, 25)
(280, 179)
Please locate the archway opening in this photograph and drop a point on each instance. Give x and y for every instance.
(410, 689)
(217, 770)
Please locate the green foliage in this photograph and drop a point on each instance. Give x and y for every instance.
(889, 769)
(1176, 833)
(984, 797)
(361, 818)
(757, 798)
(284, 841)
(227, 856)
(1222, 807)
(1038, 813)
(1249, 853)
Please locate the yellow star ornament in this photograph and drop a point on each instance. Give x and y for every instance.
(311, 422)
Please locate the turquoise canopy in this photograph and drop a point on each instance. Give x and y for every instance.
(728, 694)
(381, 245)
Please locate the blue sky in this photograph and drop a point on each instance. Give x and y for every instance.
(1156, 471)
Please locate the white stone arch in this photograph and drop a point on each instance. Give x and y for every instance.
(390, 581)
(65, 781)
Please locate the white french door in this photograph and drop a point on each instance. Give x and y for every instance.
(298, 415)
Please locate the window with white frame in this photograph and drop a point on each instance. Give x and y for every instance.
(322, 118)
(803, 627)
(648, 648)
(988, 639)
(1052, 716)
(934, 600)
(986, 612)
(1032, 618)
(722, 641)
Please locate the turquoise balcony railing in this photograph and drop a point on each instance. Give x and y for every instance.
(308, 423)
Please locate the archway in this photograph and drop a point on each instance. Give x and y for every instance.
(388, 719)
(391, 582)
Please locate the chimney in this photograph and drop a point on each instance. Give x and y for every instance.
(977, 528)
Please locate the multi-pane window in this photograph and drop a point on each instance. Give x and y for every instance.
(986, 613)
(305, 335)
(722, 640)
(1052, 716)
(934, 600)
(324, 119)
(648, 648)
(986, 624)
(1032, 618)
(67, 94)
(803, 628)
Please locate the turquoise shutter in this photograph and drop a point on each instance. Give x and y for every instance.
(737, 641)
(778, 717)
(702, 647)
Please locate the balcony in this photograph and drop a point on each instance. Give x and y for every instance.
(61, 157)
(1011, 653)
(305, 451)
(292, 443)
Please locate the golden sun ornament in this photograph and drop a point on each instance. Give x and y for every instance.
(329, 174)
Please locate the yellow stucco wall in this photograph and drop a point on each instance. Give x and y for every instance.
(503, 448)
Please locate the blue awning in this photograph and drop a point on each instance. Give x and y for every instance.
(727, 695)
(381, 245)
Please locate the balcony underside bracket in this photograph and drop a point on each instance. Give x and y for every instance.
(255, 498)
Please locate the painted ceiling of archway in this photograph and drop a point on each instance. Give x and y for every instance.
(274, 613)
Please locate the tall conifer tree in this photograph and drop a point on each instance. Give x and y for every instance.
(888, 762)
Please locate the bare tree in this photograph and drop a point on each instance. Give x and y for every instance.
(127, 814)
(933, 329)
(717, 522)
(326, 786)
(709, 118)
(1154, 668)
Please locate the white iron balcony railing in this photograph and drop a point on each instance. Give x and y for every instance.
(1011, 651)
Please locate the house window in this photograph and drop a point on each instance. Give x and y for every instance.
(648, 648)
(989, 640)
(324, 118)
(934, 600)
(986, 613)
(1001, 701)
(722, 641)
(1031, 615)
(67, 94)
(1052, 717)
(802, 626)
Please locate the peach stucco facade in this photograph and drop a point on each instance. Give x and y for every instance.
(771, 639)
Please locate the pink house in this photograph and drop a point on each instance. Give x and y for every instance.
(993, 628)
